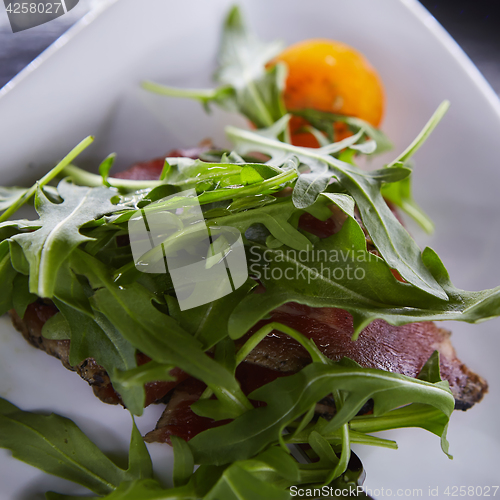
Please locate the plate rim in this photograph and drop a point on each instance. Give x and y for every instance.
(413, 6)
(79, 26)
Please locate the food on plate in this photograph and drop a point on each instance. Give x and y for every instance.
(327, 339)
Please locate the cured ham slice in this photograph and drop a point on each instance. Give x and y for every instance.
(400, 349)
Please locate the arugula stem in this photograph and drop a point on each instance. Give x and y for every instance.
(335, 438)
(47, 177)
(200, 94)
(266, 117)
(345, 454)
(407, 416)
(401, 253)
(267, 186)
(316, 355)
(424, 134)
(152, 371)
(85, 178)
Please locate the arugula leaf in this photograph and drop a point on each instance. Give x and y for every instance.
(139, 461)
(327, 457)
(309, 186)
(413, 415)
(267, 186)
(234, 483)
(400, 193)
(52, 495)
(345, 455)
(323, 450)
(143, 489)
(343, 201)
(21, 296)
(71, 290)
(57, 233)
(242, 60)
(95, 337)
(281, 461)
(322, 140)
(188, 173)
(183, 461)
(84, 178)
(391, 239)
(56, 328)
(430, 372)
(17, 258)
(265, 476)
(237, 484)
(223, 96)
(247, 184)
(148, 372)
(280, 218)
(335, 437)
(130, 309)
(225, 354)
(9, 195)
(271, 473)
(308, 344)
(324, 122)
(290, 397)
(7, 276)
(57, 446)
(105, 167)
(209, 323)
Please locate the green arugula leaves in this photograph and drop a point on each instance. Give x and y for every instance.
(7, 276)
(242, 61)
(392, 241)
(325, 122)
(290, 397)
(56, 445)
(57, 232)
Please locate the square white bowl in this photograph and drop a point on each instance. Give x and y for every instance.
(88, 83)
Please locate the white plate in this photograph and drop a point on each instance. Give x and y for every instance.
(88, 83)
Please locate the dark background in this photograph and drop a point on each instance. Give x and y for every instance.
(475, 25)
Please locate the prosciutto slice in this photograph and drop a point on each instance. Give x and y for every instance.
(400, 349)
